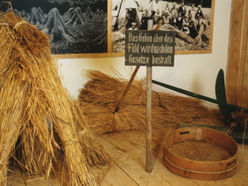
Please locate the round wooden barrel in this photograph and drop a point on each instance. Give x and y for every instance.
(207, 170)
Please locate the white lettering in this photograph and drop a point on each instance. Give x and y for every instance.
(139, 60)
(161, 60)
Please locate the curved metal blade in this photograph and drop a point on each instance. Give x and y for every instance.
(220, 93)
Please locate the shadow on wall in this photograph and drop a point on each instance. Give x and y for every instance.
(196, 84)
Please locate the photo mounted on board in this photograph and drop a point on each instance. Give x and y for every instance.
(192, 20)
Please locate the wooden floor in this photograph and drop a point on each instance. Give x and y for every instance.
(127, 150)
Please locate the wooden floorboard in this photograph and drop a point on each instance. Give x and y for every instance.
(127, 168)
(133, 163)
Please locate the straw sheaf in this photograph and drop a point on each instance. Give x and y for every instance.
(104, 89)
(101, 93)
(37, 112)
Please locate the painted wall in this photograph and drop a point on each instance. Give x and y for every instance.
(196, 72)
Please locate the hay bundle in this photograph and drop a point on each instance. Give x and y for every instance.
(37, 111)
(101, 93)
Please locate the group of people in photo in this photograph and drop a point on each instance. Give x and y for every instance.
(186, 18)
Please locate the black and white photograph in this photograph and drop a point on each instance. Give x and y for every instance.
(74, 26)
(192, 21)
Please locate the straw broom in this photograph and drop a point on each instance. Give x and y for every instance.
(100, 94)
(45, 109)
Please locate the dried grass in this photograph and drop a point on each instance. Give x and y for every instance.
(99, 96)
(37, 112)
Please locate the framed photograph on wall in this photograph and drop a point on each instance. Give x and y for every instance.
(192, 20)
(75, 27)
(96, 28)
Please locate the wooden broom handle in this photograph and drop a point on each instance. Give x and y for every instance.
(132, 78)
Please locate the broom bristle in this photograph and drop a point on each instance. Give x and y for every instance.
(101, 93)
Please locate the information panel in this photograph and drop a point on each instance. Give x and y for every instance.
(149, 48)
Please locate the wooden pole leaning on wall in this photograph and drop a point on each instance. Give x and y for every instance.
(126, 89)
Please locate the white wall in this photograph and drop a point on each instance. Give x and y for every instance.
(196, 72)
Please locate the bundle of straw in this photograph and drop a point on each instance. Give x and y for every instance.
(101, 93)
(37, 112)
